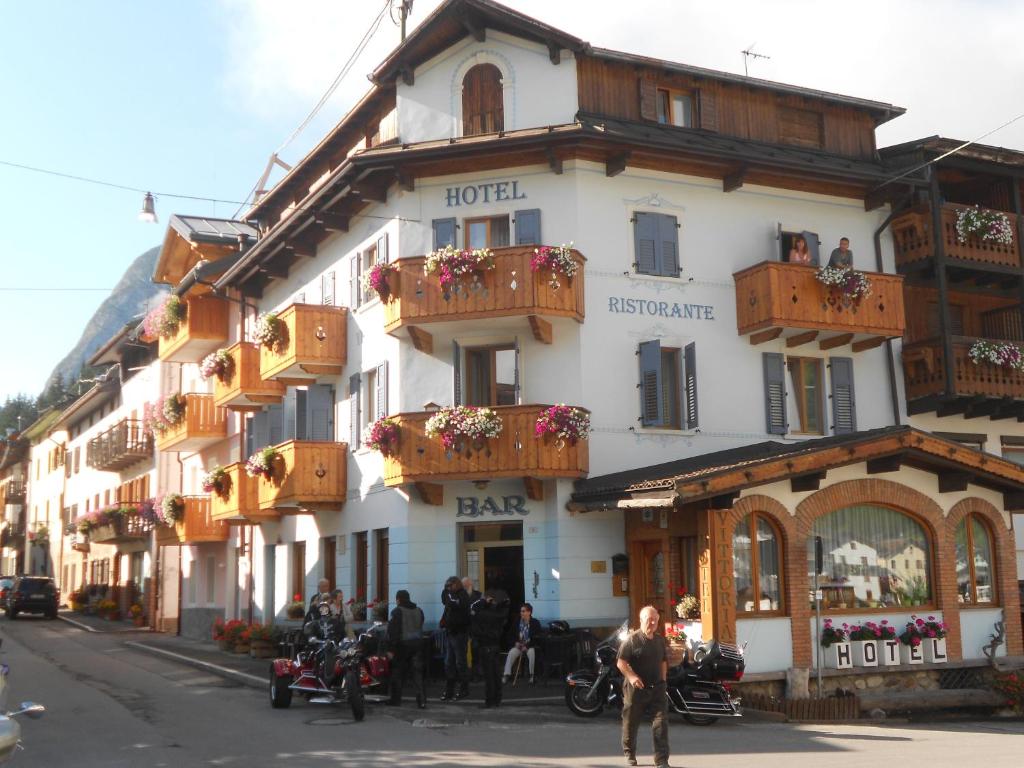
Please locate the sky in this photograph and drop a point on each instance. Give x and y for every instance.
(191, 97)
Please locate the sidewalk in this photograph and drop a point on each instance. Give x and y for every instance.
(243, 669)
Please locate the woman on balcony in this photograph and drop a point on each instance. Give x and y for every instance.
(799, 254)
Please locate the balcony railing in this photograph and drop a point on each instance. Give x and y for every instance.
(204, 328)
(244, 389)
(314, 344)
(121, 530)
(203, 424)
(239, 498)
(776, 299)
(510, 289)
(12, 492)
(196, 527)
(516, 452)
(307, 475)
(122, 445)
(1005, 323)
(913, 240)
(980, 388)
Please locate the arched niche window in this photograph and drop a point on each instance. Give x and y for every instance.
(757, 566)
(874, 558)
(483, 108)
(975, 582)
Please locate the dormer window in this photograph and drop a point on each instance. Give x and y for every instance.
(675, 108)
(482, 101)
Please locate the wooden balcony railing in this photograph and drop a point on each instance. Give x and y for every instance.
(307, 475)
(243, 389)
(1005, 324)
(778, 299)
(314, 344)
(12, 492)
(516, 452)
(196, 527)
(204, 423)
(122, 445)
(510, 289)
(913, 240)
(925, 372)
(122, 529)
(204, 328)
(239, 498)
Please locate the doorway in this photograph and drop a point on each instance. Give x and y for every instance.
(650, 575)
(491, 554)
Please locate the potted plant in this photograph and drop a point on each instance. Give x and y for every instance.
(296, 609)
(165, 318)
(220, 364)
(910, 642)
(450, 264)
(933, 639)
(171, 510)
(216, 481)
(78, 600)
(376, 279)
(1003, 354)
(261, 463)
(383, 436)
(107, 609)
(233, 631)
(463, 422)
(262, 641)
(219, 635)
(558, 260)
(136, 613)
(675, 636)
(983, 225)
(865, 640)
(563, 423)
(838, 654)
(270, 332)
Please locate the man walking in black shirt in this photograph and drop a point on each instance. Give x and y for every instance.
(643, 662)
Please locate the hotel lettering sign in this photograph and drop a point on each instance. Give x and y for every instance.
(470, 506)
(472, 194)
(620, 305)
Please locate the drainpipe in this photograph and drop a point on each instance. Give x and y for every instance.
(891, 363)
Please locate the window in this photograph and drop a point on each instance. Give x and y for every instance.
(974, 582)
(675, 108)
(483, 109)
(897, 573)
(1013, 449)
(656, 244)
(361, 565)
(299, 568)
(361, 262)
(975, 440)
(668, 386)
(956, 319)
(800, 127)
(805, 380)
(381, 546)
(799, 247)
(78, 457)
(491, 375)
(491, 232)
(367, 259)
(211, 579)
(757, 569)
(369, 400)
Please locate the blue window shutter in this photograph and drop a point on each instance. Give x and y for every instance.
(353, 394)
(275, 417)
(356, 288)
(813, 246)
(690, 384)
(444, 232)
(320, 412)
(652, 412)
(250, 436)
(301, 416)
(775, 392)
(260, 432)
(382, 249)
(381, 395)
(457, 372)
(645, 236)
(844, 405)
(668, 230)
(528, 227)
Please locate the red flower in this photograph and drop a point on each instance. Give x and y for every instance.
(297, 598)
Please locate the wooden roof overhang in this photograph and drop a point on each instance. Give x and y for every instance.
(190, 240)
(806, 466)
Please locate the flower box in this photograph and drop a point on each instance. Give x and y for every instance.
(889, 651)
(262, 649)
(839, 655)
(935, 650)
(865, 653)
(911, 654)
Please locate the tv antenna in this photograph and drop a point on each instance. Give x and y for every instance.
(748, 54)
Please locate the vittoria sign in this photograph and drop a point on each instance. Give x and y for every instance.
(623, 306)
(470, 506)
(472, 194)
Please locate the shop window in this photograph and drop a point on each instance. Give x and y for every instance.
(483, 109)
(874, 557)
(975, 584)
(757, 569)
(487, 232)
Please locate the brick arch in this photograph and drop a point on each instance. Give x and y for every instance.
(1005, 551)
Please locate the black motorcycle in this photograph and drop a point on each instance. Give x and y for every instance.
(695, 688)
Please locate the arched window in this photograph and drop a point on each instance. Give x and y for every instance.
(974, 565)
(874, 557)
(483, 108)
(757, 570)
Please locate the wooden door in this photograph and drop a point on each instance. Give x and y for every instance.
(649, 576)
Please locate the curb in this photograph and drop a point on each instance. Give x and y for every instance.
(78, 624)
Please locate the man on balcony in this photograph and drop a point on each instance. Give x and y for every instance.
(842, 257)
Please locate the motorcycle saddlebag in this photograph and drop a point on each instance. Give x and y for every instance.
(379, 666)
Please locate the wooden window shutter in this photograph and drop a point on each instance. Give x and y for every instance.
(483, 108)
(775, 392)
(382, 249)
(301, 419)
(844, 406)
(668, 237)
(690, 384)
(708, 110)
(353, 394)
(320, 412)
(381, 395)
(327, 284)
(444, 232)
(813, 246)
(356, 287)
(528, 227)
(652, 413)
(457, 373)
(645, 235)
(648, 99)
(250, 435)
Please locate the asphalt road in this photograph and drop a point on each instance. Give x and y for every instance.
(109, 705)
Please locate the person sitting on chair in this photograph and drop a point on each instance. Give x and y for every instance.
(527, 636)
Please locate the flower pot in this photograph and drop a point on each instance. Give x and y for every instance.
(241, 648)
(935, 650)
(839, 656)
(911, 654)
(865, 653)
(139, 621)
(225, 645)
(889, 652)
(262, 649)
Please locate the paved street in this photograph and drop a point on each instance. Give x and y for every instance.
(110, 705)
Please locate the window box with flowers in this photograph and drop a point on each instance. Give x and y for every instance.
(459, 270)
(835, 641)
(233, 636)
(164, 319)
(218, 481)
(1003, 354)
(867, 640)
(846, 286)
(463, 428)
(263, 640)
(270, 332)
(383, 436)
(377, 279)
(911, 639)
(933, 639)
(219, 635)
(261, 463)
(220, 364)
(563, 424)
(163, 414)
(983, 225)
(557, 260)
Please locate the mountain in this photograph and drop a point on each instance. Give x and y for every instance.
(132, 296)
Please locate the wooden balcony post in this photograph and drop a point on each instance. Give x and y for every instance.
(941, 278)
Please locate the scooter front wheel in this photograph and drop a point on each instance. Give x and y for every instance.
(584, 701)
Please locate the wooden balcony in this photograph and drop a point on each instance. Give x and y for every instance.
(981, 389)
(203, 424)
(913, 240)
(204, 328)
(314, 344)
(516, 452)
(511, 289)
(244, 390)
(122, 445)
(775, 299)
(197, 526)
(12, 492)
(307, 476)
(123, 529)
(240, 499)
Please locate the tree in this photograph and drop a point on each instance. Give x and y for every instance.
(17, 413)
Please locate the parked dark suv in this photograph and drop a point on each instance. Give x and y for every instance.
(33, 594)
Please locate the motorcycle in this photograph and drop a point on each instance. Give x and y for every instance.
(697, 689)
(332, 669)
(10, 731)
